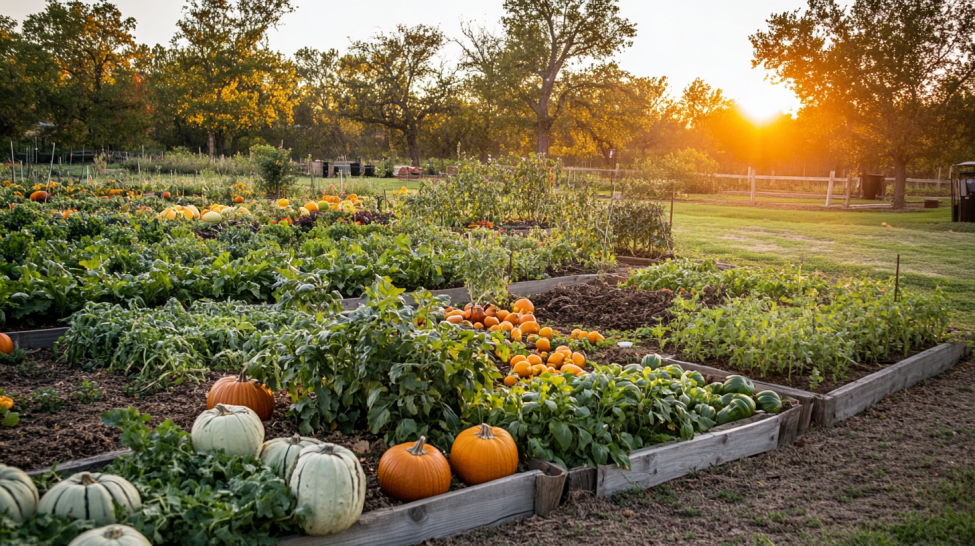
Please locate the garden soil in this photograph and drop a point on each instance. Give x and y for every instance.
(866, 471)
(600, 306)
(76, 431)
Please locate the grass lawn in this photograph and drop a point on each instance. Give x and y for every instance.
(933, 250)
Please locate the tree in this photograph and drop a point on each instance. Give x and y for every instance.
(27, 79)
(394, 81)
(886, 71)
(548, 37)
(219, 74)
(277, 171)
(99, 92)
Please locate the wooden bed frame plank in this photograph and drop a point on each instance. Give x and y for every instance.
(659, 464)
(486, 505)
(36, 339)
(857, 396)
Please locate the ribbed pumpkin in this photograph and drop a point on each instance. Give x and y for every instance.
(279, 454)
(40, 196)
(6, 344)
(414, 471)
(237, 430)
(329, 480)
(241, 391)
(90, 496)
(484, 453)
(18, 496)
(111, 535)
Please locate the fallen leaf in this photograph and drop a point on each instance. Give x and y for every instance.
(362, 446)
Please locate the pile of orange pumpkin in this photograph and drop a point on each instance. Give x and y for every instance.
(521, 325)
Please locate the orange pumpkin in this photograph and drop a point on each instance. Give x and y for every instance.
(414, 471)
(483, 453)
(524, 306)
(166, 195)
(478, 314)
(241, 391)
(6, 402)
(510, 381)
(6, 344)
(40, 196)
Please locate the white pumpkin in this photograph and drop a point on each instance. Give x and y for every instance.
(330, 481)
(111, 535)
(18, 496)
(90, 496)
(279, 454)
(237, 430)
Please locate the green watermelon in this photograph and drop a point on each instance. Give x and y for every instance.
(697, 377)
(769, 401)
(705, 410)
(752, 408)
(737, 410)
(698, 395)
(633, 368)
(738, 384)
(715, 388)
(652, 361)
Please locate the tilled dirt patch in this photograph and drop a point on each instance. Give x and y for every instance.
(76, 431)
(598, 305)
(868, 470)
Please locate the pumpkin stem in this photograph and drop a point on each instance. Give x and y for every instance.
(114, 533)
(330, 449)
(296, 439)
(417, 448)
(242, 378)
(86, 479)
(222, 409)
(485, 433)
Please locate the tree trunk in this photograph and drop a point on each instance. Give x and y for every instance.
(544, 137)
(210, 143)
(414, 146)
(900, 181)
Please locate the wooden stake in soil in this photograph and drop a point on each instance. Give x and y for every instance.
(673, 193)
(897, 277)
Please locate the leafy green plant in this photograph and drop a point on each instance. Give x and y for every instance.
(87, 392)
(43, 530)
(639, 229)
(46, 400)
(275, 168)
(196, 498)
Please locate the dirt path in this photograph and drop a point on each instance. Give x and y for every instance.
(869, 470)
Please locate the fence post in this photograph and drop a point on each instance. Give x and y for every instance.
(751, 180)
(829, 188)
(849, 189)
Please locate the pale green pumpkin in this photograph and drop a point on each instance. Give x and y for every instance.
(279, 454)
(91, 496)
(329, 480)
(237, 430)
(18, 496)
(111, 535)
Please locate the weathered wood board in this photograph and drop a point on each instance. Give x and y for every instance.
(530, 288)
(857, 396)
(36, 339)
(81, 465)
(662, 463)
(486, 505)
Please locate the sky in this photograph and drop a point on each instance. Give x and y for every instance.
(682, 40)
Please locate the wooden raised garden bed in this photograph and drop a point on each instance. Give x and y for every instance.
(852, 398)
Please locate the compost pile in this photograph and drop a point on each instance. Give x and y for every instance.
(599, 305)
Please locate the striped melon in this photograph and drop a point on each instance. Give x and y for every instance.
(91, 496)
(237, 430)
(329, 480)
(111, 535)
(279, 454)
(18, 496)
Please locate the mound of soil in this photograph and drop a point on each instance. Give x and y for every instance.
(604, 307)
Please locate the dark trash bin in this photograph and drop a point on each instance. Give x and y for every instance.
(872, 186)
(355, 169)
(370, 170)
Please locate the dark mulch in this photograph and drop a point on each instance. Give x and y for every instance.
(864, 472)
(76, 431)
(598, 305)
